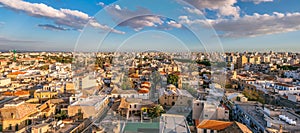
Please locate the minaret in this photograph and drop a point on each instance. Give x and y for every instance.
(14, 51)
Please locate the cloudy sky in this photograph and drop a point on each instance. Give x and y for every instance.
(197, 25)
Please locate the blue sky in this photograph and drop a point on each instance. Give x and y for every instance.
(196, 25)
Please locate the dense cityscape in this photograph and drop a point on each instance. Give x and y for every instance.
(149, 66)
(149, 92)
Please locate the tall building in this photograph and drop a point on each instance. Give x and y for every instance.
(241, 61)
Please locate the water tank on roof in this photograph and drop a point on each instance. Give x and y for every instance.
(283, 117)
(293, 123)
(288, 120)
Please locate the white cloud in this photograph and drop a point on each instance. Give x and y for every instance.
(257, 1)
(193, 10)
(174, 24)
(118, 7)
(138, 19)
(100, 4)
(251, 26)
(229, 10)
(188, 21)
(72, 18)
(224, 7)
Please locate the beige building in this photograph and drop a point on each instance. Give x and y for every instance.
(206, 110)
(174, 96)
(5, 82)
(68, 87)
(15, 116)
(90, 107)
(43, 94)
(40, 128)
(133, 106)
(241, 61)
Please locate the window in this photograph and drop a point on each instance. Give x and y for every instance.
(17, 127)
(134, 106)
(10, 127)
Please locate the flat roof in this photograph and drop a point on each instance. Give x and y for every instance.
(170, 123)
(89, 101)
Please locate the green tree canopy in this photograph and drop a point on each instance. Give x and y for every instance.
(173, 79)
(156, 111)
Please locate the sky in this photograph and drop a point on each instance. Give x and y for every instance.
(167, 25)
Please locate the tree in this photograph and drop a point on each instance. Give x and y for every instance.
(254, 95)
(156, 111)
(173, 79)
(44, 67)
(62, 115)
(126, 84)
(204, 62)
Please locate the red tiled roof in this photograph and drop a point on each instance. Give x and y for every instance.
(143, 90)
(21, 93)
(214, 124)
(244, 128)
(8, 93)
(16, 73)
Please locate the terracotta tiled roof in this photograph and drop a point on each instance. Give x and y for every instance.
(134, 75)
(146, 82)
(244, 128)
(162, 73)
(17, 93)
(143, 90)
(214, 124)
(8, 93)
(123, 104)
(17, 73)
(21, 93)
